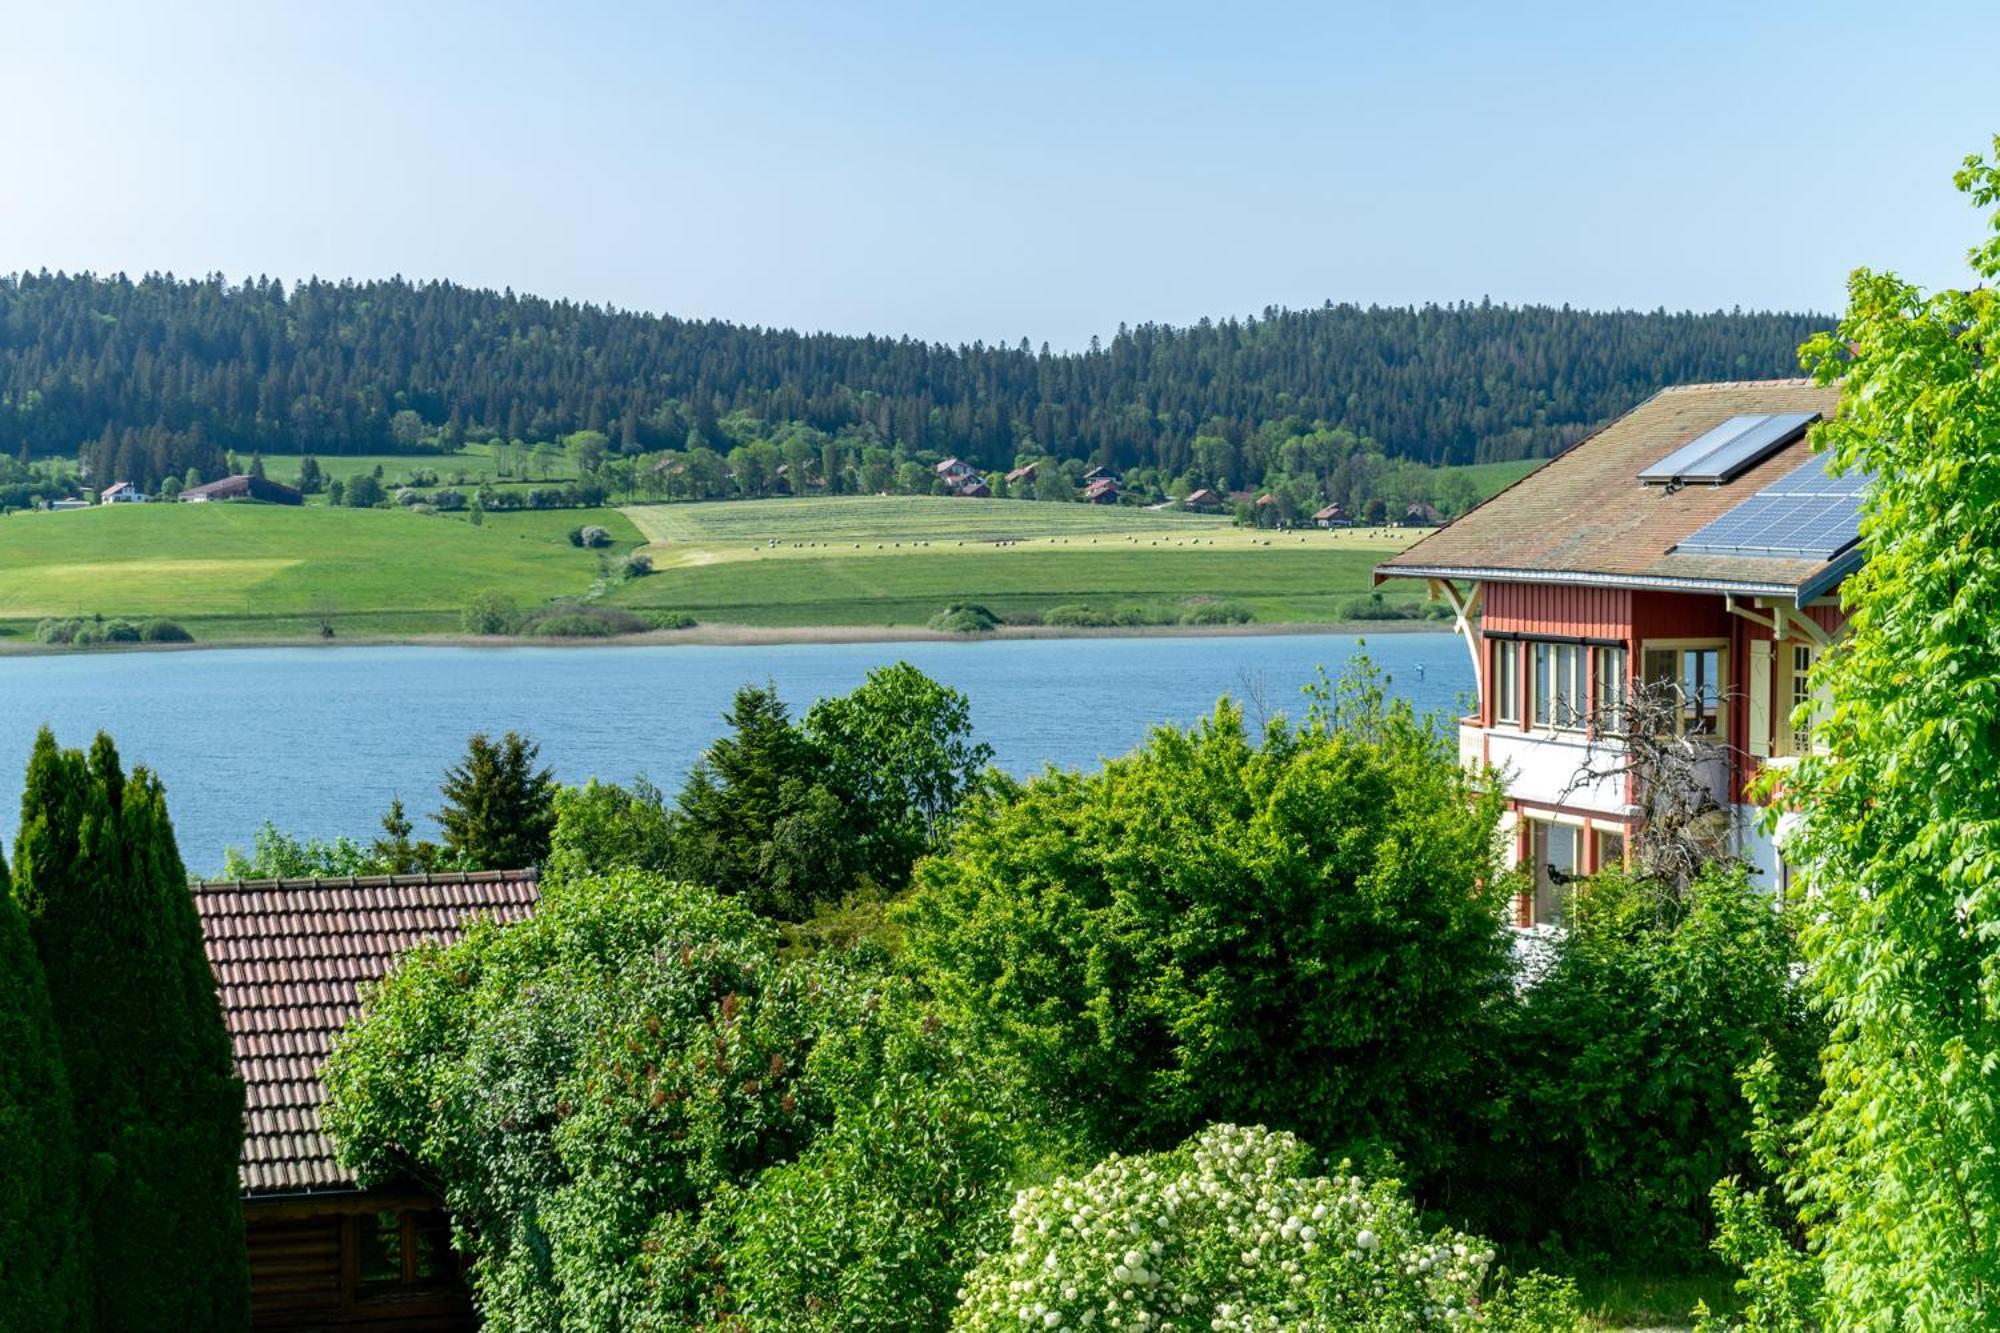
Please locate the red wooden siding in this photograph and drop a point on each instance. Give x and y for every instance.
(1557, 609)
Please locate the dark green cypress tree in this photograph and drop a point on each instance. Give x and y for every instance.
(42, 1260)
(157, 1104)
(499, 809)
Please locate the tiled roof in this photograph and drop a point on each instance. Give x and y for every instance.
(289, 956)
(1585, 512)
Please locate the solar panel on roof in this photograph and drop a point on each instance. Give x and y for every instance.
(1805, 514)
(1731, 448)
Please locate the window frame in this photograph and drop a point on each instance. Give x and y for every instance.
(1680, 648)
(1506, 683)
(1798, 693)
(1608, 716)
(1556, 703)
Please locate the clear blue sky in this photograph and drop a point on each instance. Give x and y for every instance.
(997, 171)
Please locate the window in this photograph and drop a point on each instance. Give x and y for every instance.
(403, 1248)
(1554, 848)
(1611, 684)
(1506, 682)
(1798, 695)
(1557, 686)
(1695, 673)
(1610, 849)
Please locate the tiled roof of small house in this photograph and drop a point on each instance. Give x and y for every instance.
(1584, 516)
(289, 957)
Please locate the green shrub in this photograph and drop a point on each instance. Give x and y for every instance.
(490, 613)
(593, 537)
(1075, 616)
(964, 618)
(57, 630)
(1618, 1100)
(671, 620)
(1217, 613)
(1324, 903)
(98, 631)
(164, 631)
(1233, 1230)
(574, 621)
(635, 566)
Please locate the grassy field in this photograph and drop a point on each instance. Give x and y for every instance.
(895, 562)
(229, 570)
(232, 571)
(473, 460)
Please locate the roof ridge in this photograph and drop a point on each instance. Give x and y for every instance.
(529, 875)
(1788, 382)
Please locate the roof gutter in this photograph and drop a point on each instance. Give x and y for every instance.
(1825, 580)
(1646, 582)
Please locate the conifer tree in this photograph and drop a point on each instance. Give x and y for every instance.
(157, 1104)
(499, 808)
(42, 1253)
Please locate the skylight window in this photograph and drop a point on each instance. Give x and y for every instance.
(1734, 447)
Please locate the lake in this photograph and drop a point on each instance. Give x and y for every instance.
(318, 739)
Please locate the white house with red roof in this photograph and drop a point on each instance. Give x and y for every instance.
(1696, 543)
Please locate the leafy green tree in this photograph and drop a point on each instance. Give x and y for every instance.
(275, 854)
(1303, 933)
(603, 1092)
(490, 613)
(900, 754)
(601, 827)
(158, 1106)
(754, 817)
(498, 807)
(363, 491)
(43, 1264)
(1616, 1099)
(1898, 1168)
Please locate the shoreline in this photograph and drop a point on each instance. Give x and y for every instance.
(726, 635)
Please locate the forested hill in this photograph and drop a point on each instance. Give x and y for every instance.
(159, 371)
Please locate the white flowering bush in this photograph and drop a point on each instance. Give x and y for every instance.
(1232, 1231)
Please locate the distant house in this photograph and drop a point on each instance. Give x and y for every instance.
(1099, 473)
(1333, 516)
(69, 502)
(975, 490)
(243, 487)
(1103, 491)
(955, 471)
(1422, 515)
(122, 493)
(1026, 472)
(289, 958)
(1203, 501)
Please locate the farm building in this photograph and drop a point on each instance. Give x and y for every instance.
(1103, 491)
(1100, 473)
(1422, 514)
(122, 493)
(288, 957)
(243, 487)
(1203, 501)
(67, 503)
(1689, 552)
(974, 489)
(1026, 472)
(955, 471)
(1333, 516)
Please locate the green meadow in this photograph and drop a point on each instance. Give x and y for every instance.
(238, 570)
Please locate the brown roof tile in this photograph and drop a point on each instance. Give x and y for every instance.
(1584, 512)
(289, 957)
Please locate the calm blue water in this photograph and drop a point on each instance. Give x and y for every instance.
(318, 739)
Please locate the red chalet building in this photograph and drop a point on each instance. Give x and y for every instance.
(1696, 540)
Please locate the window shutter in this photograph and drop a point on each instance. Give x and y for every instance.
(1760, 697)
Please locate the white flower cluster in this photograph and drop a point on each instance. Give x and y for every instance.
(1227, 1232)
